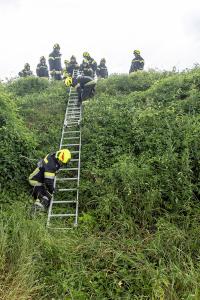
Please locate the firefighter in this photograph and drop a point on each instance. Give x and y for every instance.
(92, 63)
(55, 63)
(85, 69)
(73, 65)
(102, 71)
(85, 86)
(137, 62)
(42, 178)
(42, 69)
(26, 71)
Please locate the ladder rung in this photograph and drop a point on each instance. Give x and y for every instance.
(66, 190)
(74, 159)
(69, 169)
(71, 145)
(65, 201)
(72, 131)
(66, 179)
(62, 215)
(70, 138)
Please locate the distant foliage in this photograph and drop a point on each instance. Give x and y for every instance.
(28, 85)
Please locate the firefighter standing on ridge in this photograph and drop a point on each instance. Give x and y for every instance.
(92, 63)
(86, 69)
(102, 71)
(42, 69)
(137, 62)
(42, 178)
(26, 71)
(73, 65)
(55, 63)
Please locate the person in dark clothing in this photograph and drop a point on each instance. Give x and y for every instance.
(42, 69)
(42, 178)
(92, 63)
(102, 71)
(85, 86)
(73, 65)
(26, 71)
(55, 63)
(137, 62)
(85, 69)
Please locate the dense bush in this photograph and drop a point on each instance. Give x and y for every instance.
(16, 142)
(27, 85)
(139, 195)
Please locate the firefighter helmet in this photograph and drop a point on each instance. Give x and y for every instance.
(56, 46)
(68, 81)
(136, 52)
(86, 54)
(63, 155)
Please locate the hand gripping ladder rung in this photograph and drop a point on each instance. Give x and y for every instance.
(63, 209)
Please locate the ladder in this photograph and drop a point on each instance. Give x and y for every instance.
(63, 209)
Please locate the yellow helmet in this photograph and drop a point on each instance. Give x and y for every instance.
(63, 155)
(86, 54)
(136, 52)
(68, 81)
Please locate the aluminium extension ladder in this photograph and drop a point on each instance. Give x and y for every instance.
(63, 209)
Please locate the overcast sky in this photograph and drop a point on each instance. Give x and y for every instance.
(166, 31)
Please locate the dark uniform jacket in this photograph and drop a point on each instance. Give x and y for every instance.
(137, 64)
(55, 60)
(92, 64)
(102, 71)
(86, 70)
(42, 70)
(45, 172)
(71, 67)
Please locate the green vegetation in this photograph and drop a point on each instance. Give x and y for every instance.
(138, 233)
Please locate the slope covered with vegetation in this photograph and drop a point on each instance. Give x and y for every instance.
(139, 198)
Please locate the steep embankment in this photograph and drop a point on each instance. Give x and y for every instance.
(138, 236)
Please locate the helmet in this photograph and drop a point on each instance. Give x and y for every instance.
(66, 61)
(103, 60)
(68, 81)
(63, 155)
(42, 58)
(73, 57)
(136, 52)
(56, 46)
(27, 65)
(86, 54)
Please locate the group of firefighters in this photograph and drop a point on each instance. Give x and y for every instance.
(88, 67)
(42, 178)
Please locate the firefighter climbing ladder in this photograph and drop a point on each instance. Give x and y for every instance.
(63, 210)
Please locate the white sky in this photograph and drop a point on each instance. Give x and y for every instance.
(166, 31)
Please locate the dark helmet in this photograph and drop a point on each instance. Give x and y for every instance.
(56, 46)
(42, 58)
(26, 66)
(73, 57)
(103, 60)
